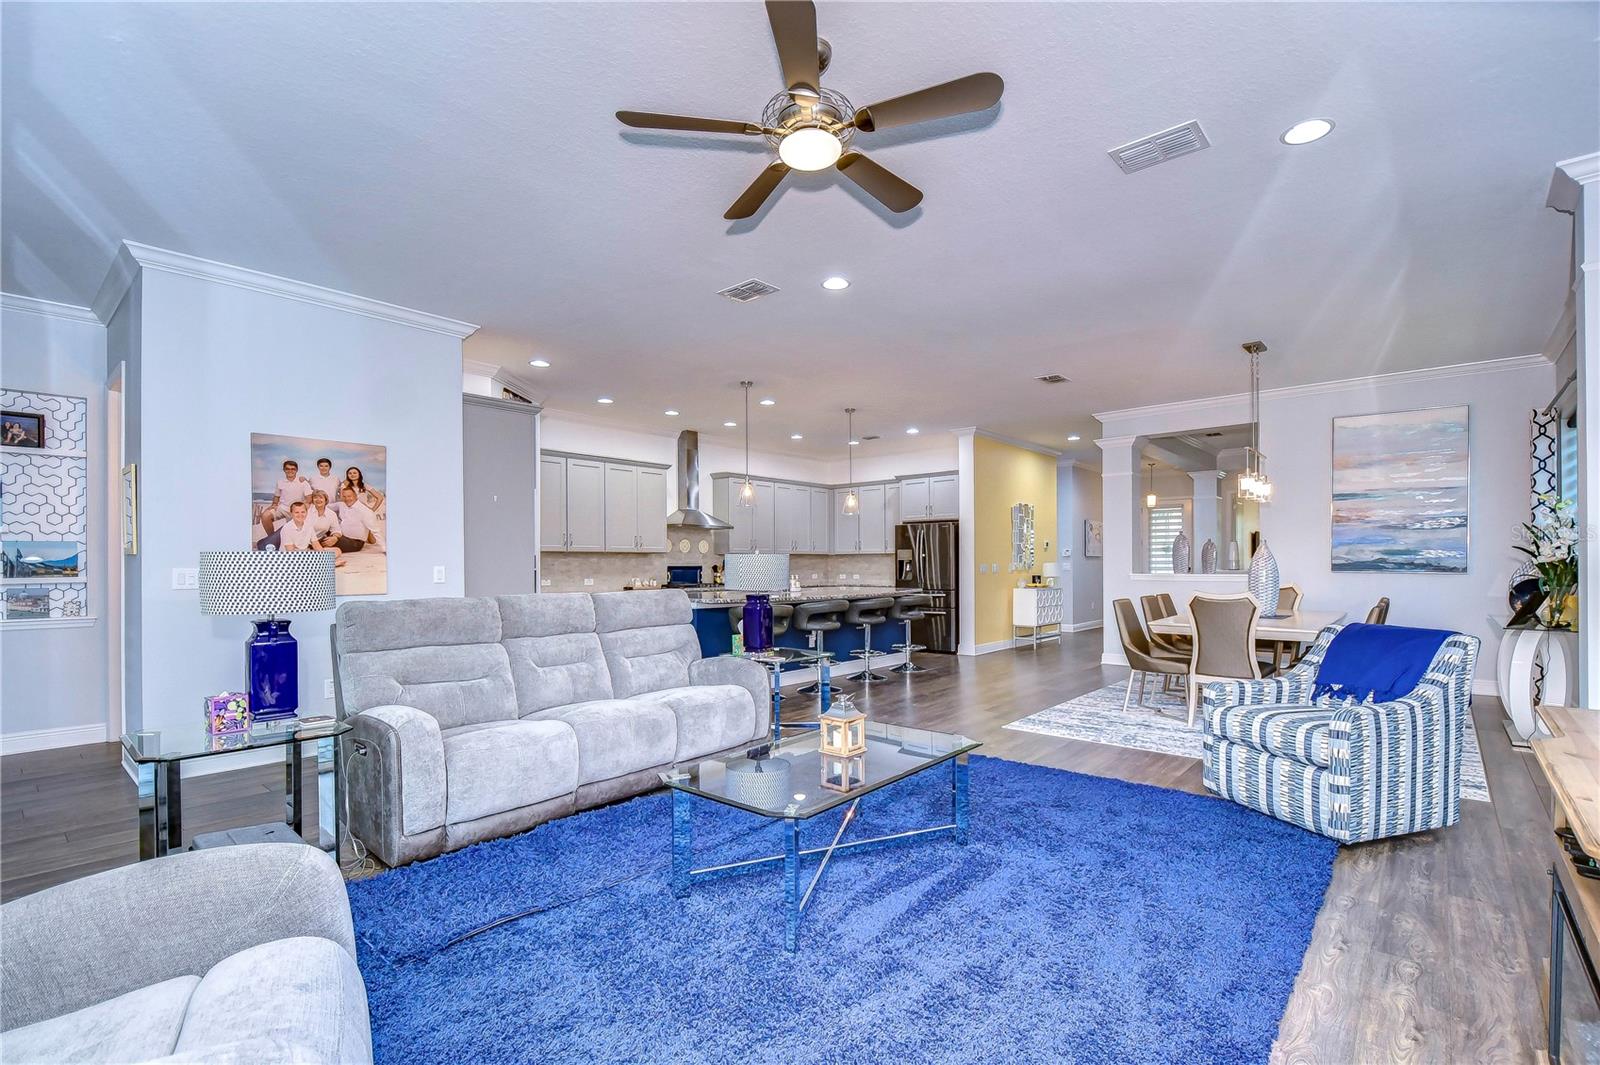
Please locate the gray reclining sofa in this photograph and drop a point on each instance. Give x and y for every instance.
(477, 718)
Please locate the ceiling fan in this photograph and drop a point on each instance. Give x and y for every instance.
(812, 127)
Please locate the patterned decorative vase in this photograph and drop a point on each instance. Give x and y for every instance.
(1181, 554)
(1524, 593)
(1263, 581)
(1208, 557)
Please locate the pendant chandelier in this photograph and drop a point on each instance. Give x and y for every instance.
(747, 491)
(852, 502)
(1253, 482)
(1150, 490)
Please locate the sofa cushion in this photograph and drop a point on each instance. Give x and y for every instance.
(1298, 732)
(137, 1026)
(545, 614)
(618, 736)
(458, 684)
(558, 670)
(392, 624)
(304, 992)
(648, 639)
(492, 767)
(711, 717)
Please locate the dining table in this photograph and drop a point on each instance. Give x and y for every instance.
(1284, 633)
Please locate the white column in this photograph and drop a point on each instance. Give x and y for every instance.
(1206, 485)
(1584, 173)
(967, 544)
(1123, 505)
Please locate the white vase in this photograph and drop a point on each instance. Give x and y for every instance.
(1233, 556)
(1263, 580)
(1181, 554)
(1208, 557)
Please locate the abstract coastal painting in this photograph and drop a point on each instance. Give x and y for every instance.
(1400, 485)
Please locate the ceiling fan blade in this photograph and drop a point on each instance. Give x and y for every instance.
(750, 201)
(893, 192)
(647, 120)
(975, 92)
(794, 28)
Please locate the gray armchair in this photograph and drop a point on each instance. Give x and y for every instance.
(235, 954)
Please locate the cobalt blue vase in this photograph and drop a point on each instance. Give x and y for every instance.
(757, 622)
(272, 661)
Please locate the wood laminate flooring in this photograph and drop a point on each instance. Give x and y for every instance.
(1430, 948)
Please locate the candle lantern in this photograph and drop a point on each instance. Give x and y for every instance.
(844, 772)
(844, 730)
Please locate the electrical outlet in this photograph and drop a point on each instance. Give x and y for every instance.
(813, 576)
(983, 567)
(544, 582)
(183, 579)
(855, 576)
(438, 575)
(327, 688)
(588, 582)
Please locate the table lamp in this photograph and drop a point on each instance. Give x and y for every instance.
(271, 583)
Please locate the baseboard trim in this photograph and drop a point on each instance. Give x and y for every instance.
(47, 739)
(1113, 658)
(1485, 686)
(1083, 626)
(1000, 645)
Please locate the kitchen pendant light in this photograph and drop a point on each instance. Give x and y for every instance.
(1254, 484)
(852, 502)
(747, 491)
(1150, 494)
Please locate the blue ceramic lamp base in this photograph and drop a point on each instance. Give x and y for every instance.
(272, 661)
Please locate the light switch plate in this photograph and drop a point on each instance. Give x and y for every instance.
(588, 582)
(183, 579)
(438, 575)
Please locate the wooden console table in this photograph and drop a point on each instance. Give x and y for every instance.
(1570, 758)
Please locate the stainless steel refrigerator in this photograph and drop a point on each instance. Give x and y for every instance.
(925, 557)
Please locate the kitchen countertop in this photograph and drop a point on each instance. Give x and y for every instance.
(723, 598)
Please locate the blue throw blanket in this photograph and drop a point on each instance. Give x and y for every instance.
(1380, 662)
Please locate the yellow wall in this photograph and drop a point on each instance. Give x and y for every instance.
(1004, 476)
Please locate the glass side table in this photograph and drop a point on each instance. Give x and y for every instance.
(775, 658)
(165, 751)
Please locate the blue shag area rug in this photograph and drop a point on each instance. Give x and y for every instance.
(1087, 920)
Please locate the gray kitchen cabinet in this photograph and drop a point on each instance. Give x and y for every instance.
(846, 527)
(653, 509)
(552, 503)
(791, 517)
(871, 539)
(586, 505)
(765, 520)
(821, 516)
(913, 499)
(634, 519)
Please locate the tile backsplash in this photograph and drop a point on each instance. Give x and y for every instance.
(567, 570)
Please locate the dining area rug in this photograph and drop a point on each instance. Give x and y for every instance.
(1161, 724)
(1087, 919)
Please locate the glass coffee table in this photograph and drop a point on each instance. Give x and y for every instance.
(775, 658)
(785, 781)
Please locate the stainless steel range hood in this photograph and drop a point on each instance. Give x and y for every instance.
(689, 515)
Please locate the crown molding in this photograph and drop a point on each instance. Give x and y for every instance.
(1026, 445)
(48, 308)
(1584, 169)
(502, 377)
(1350, 384)
(133, 257)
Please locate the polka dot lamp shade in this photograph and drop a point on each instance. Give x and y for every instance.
(265, 583)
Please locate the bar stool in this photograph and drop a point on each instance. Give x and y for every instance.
(864, 614)
(821, 617)
(781, 615)
(906, 609)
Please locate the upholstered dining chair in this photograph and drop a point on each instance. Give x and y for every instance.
(1142, 657)
(1155, 608)
(1224, 641)
(1282, 653)
(1379, 614)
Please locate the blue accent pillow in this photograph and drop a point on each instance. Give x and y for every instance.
(1376, 662)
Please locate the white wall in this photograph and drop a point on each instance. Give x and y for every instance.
(53, 689)
(217, 360)
(1297, 438)
(1077, 501)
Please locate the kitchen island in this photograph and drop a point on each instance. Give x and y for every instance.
(711, 606)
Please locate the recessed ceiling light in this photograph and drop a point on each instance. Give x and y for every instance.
(835, 284)
(541, 363)
(796, 436)
(1312, 129)
(670, 413)
(1073, 438)
(605, 399)
(730, 425)
(855, 443)
(912, 430)
(768, 402)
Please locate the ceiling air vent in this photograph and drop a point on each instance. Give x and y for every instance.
(873, 436)
(1160, 147)
(745, 291)
(1051, 379)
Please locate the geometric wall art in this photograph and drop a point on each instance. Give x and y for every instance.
(1401, 491)
(44, 511)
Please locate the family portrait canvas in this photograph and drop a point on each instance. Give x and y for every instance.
(1400, 486)
(323, 495)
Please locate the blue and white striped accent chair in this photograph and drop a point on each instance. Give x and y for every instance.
(1351, 771)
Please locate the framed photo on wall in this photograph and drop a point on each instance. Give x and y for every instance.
(1401, 485)
(323, 495)
(1094, 539)
(21, 429)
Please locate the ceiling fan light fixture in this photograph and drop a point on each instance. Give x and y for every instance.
(810, 148)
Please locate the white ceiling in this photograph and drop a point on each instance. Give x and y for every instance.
(463, 159)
